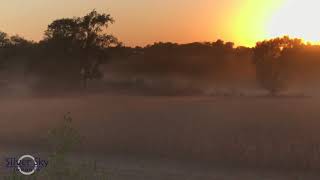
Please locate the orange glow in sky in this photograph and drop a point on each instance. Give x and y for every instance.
(142, 22)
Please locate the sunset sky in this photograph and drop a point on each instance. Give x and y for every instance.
(141, 22)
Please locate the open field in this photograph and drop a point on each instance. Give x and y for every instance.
(137, 137)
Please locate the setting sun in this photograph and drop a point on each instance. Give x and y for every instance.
(243, 22)
(296, 18)
(169, 89)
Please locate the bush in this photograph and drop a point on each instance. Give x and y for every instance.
(63, 140)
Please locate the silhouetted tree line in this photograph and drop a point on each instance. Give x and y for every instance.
(75, 50)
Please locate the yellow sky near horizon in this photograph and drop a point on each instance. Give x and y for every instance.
(142, 22)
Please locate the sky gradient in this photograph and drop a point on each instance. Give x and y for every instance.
(142, 22)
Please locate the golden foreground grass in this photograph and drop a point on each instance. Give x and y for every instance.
(254, 133)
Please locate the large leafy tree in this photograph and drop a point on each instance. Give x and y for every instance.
(271, 60)
(85, 38)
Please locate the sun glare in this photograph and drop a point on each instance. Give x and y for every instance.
(296, 18)
(249, 25)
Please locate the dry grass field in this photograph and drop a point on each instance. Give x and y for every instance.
(138, 137)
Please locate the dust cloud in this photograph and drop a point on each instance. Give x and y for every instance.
(272, 132)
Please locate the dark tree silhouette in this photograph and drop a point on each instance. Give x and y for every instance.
(74, 49)
(271, 63)
(84, 37)
(4, 39)
(19, 41)
(13, 48)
